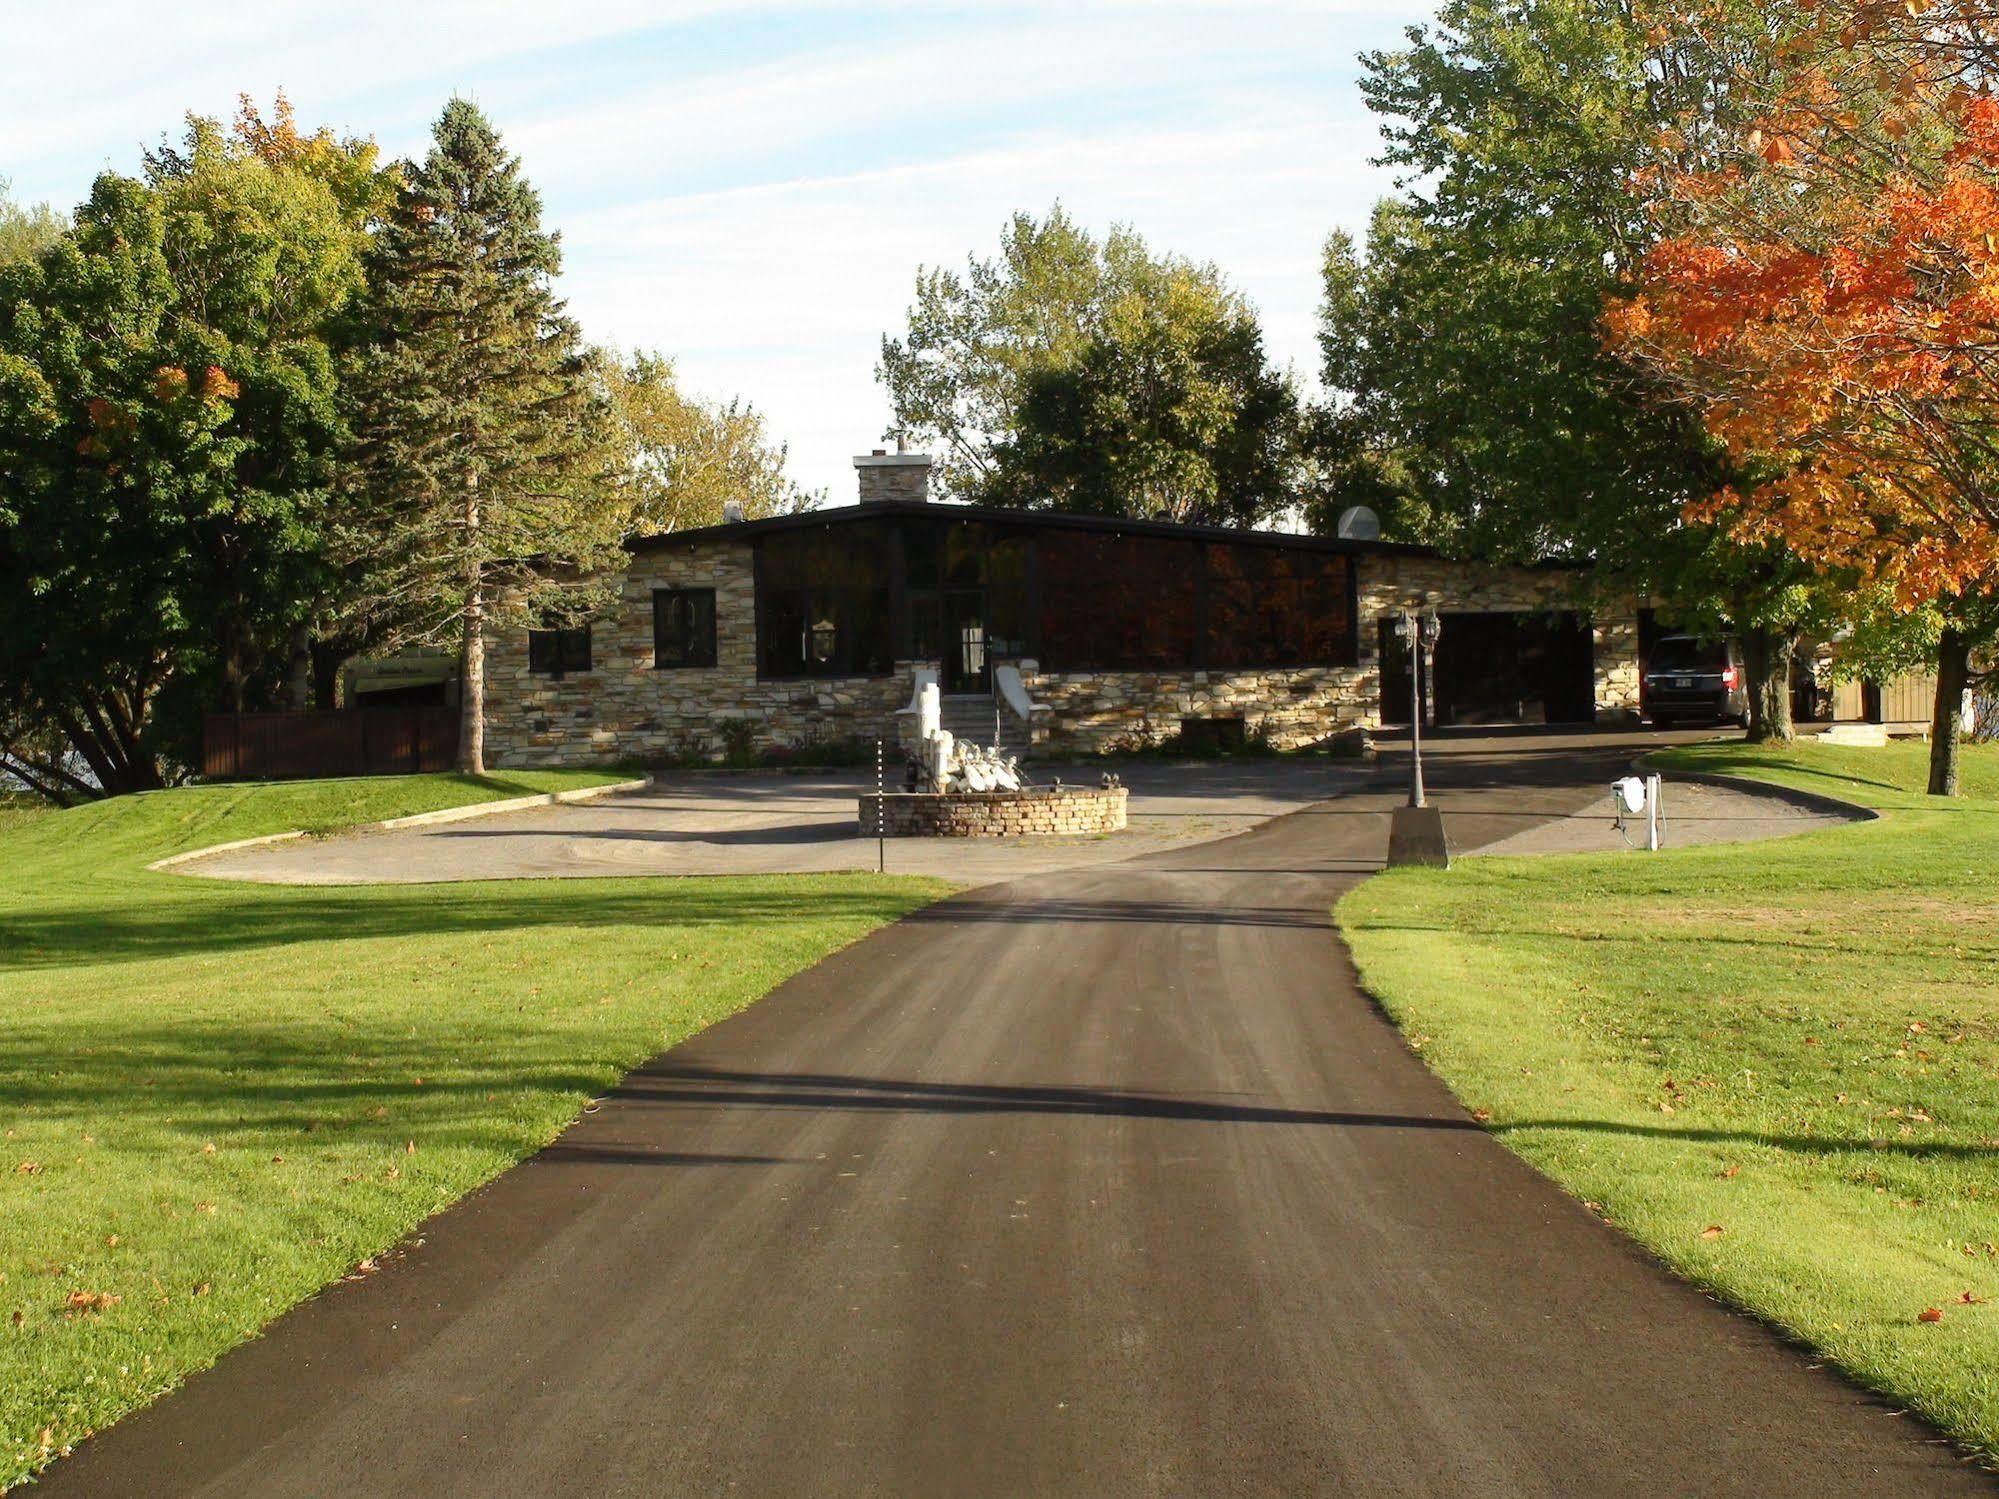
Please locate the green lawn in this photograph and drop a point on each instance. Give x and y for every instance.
(217, 1097)
(1776, 1064)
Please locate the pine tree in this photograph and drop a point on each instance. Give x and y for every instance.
(479, 490)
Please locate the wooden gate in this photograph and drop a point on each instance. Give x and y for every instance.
(349, 742)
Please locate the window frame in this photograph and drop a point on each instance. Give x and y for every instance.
(696, 661)
(558, 642)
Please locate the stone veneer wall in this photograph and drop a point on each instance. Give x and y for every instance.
(625, 710)
(1297, 706)
(999, 814)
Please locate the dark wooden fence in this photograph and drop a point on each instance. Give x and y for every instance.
(350, 742)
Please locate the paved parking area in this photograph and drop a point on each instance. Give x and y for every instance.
(788, 824)
(1506, 794)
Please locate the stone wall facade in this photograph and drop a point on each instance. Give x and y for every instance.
(625, 710)
(1293, 707)
(1072, 811)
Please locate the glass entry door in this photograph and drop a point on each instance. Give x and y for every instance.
(966, 665)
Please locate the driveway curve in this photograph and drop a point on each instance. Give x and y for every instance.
(1107, 1183)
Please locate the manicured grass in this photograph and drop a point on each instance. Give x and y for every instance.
(1776, 1064)
(217, 1097)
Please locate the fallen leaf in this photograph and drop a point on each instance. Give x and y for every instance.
(1713, 1231)
(81, 1303)
(28, 1168)
(110, 1241)
(1930, 1314)
(1730, 1171)
(1481, 1115)
(409, 1147)
(209, 1148)
(1965, 1298)
(17, 1318)
(202, 1289)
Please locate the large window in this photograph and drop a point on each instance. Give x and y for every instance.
(683, 627)
(823, 603)
(1271, 606)
(1155, 603)
(1117, 602)
(556, 653)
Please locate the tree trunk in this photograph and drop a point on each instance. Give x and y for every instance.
(1766, 660)
(472, 707)
(328, 656)
(1953, 671)
(298, 677)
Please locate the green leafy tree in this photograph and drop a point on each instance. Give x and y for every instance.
(483, 490)
(265, 231)
(25, 231)
(1468, 344)
(1074, 375)
(168, 431)
(1954, 635)
(680, 459)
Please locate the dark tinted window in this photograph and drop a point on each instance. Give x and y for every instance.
(556, 653)
(683, 627)
(1117, 602)
(824, 601)
(1684, 653)
(1273, 607)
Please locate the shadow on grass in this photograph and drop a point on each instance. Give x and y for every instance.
(1952, 946)
(272, 917)
(68, 938)
(1802, 1144)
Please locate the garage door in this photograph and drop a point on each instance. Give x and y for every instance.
(1499, 669)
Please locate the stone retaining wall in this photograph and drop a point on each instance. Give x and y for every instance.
(998, 814)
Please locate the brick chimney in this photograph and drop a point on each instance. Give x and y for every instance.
(887, 477)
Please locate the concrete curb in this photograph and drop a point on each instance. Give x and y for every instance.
(417, 819)
(511, 804)
(223, 848)
(1810, 801)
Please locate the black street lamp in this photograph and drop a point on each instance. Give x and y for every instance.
(1416, 831)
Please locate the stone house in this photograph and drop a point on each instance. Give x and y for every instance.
(1059, 633)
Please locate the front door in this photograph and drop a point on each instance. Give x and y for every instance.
(966, 668)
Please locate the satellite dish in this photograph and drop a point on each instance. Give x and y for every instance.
(1358, 523)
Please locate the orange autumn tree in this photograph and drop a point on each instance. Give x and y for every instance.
(1828, 293)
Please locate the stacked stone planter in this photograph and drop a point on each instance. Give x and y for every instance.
(992, 814)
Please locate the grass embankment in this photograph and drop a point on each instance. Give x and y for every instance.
(217, 1097)
(1776, 1064)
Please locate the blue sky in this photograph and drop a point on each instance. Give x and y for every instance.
(751, 187)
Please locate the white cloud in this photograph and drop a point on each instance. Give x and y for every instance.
(759, 208)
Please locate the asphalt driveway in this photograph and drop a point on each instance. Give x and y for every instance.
(1108, 1183)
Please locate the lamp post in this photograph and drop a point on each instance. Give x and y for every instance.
(1416, 832)
(1420, 630)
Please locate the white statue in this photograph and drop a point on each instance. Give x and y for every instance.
(947, 759)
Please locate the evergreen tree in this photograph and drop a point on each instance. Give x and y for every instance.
(480, 494)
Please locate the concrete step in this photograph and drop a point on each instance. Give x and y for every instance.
(971, 717)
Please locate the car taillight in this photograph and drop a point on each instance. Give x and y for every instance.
(1728, 676)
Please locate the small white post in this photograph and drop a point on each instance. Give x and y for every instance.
(1652, 788)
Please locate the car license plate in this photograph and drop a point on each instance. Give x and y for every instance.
(1683, 681)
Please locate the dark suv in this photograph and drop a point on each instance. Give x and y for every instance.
(1687, 678)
